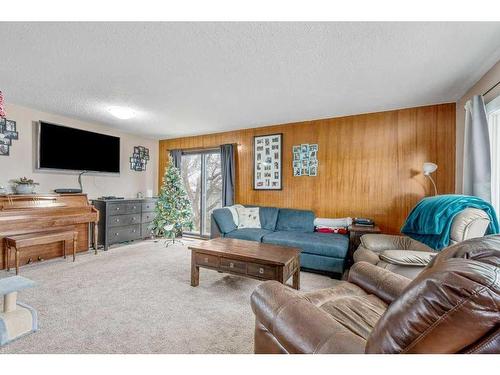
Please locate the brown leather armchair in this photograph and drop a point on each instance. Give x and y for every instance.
(408, 257)
(450, 307)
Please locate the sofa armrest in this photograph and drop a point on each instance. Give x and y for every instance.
(364, 255)
(297, 325)
(215, 231)
(381, 242)
(385, 284)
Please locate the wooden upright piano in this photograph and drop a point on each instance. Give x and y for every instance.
(20, 214)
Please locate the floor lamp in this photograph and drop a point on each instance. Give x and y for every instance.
(428, 169)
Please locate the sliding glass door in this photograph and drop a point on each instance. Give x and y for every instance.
(202, 177)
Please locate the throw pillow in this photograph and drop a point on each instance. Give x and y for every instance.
(234, 211)
(248, 217)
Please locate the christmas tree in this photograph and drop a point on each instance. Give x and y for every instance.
(173, 208)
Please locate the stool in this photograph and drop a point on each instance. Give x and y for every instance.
(21, 241)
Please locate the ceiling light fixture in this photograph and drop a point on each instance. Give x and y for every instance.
(123, 113)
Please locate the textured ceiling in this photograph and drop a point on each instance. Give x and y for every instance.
(194, 78)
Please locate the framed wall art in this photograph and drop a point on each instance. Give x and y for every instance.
(267, 161)
(305, 160)
(139, 158)
(8, 133)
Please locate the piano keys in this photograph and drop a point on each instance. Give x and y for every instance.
(20, 214)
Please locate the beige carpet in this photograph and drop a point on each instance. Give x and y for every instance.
(137, 299)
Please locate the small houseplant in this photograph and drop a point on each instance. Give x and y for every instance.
(24, 185)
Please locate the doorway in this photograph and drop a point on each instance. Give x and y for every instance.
(202, 177)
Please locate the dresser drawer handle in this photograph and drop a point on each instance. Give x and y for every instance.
(117, 208)
(231, 265)
(116, 234)
(134, 207)
(133, 231)
(261, 270)
(133, 219)
(117, 220)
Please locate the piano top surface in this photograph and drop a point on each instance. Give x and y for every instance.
(28, 213)
(14, 202)
(40, 196)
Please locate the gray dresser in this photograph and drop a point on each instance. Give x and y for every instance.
(122, 220)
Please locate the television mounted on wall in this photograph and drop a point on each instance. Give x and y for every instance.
(65, 149)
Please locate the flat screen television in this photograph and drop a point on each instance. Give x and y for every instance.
(69, 149)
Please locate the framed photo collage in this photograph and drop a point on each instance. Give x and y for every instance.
(305, 160)
(268, 162)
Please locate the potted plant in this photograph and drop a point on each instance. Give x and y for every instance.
(24, 185)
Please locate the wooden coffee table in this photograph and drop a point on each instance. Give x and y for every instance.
(246, 258)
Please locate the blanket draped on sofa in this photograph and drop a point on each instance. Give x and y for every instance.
(430, 220)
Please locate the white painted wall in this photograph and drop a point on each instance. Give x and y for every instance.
(21, 161)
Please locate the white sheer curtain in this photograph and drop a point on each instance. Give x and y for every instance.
(493, 109)
(477, 156)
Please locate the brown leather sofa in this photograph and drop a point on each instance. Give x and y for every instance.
(450, 307)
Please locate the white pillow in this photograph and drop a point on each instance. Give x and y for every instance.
(234, 211)
(248, 217)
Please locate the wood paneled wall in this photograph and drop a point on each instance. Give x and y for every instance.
(369, 165)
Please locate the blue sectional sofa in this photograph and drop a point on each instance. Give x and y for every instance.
(282, 226)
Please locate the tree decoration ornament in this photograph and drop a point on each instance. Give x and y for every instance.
(173, 208)
(2, 108)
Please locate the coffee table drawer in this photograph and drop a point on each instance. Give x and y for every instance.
(233, 265)
(207, 260)
(260, 270)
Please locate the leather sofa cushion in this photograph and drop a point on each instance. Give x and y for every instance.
(326, 244)
(333, 320)
(406, 271)
(268, 217)
(407, 257)
(250, 234)
(358, 314)
(449, 307)
(381, 242)
(224, 220)
(484, 250)
(349, 306)
(295, 220)
(341, 289)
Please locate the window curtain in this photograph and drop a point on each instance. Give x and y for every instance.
(477, 158)
(176, 157)
(227, 162)
(493, 109)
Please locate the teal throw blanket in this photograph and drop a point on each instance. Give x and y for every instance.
(430, 220)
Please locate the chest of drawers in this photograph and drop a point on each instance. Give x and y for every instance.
(122, 220)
